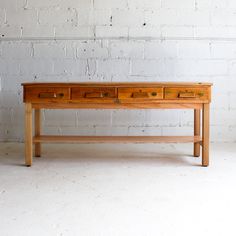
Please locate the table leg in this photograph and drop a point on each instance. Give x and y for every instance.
(197, 131)
(205, 135)
(28, 134)
(37, 131)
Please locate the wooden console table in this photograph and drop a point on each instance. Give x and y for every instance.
(148, 95)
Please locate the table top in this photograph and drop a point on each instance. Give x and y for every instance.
(118, 84)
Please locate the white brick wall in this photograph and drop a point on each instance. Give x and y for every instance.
(118, 40)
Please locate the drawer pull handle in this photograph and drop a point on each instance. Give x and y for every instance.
(51, 95)
(140, 95)
(96, 95)
(187, 95)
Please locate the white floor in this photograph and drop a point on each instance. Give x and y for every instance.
(118, 190)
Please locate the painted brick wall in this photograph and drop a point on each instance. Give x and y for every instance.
(118, 40)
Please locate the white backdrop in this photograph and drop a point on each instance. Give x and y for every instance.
(118, 40)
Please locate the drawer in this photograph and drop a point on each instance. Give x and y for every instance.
(140, 93)
(46, 93)
(187, 93)
(93, 93)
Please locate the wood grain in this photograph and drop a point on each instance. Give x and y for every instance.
(205, 135)
(134, 94)
(115, 139)
(197, 131)
(117, 105)
(119, 84)
(28, 135)
(192, 93)
(37, 131)
(100, 95)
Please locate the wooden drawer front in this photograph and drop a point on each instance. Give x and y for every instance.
(140, 93)
(93, 93)
(43, 93)
(187, 93)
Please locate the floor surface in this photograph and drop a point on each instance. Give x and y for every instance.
(117, 190)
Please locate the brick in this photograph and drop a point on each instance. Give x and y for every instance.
(13, 4)
(161, 17)
(111, 31)
(49, 50)
(74, 31)
(232, 106)
(144, 32)
(128, 117)
(91, 49)
(201, 4)
(110, 4)
(232, 67)
(144, 130)
(223, 18)
(223, 50)
(37, 31)
(25, 17)
(49, 130)
(17, 116)
(2, 16)
(177, 130)
(85, 17)
(160, 49)
(111, 130)
(60, 118)
(194, 49)
(9, 99)
(72, 67)
(162, 117)
(16, 50)
(144, 4)
(58, 17)
(193, 17)
(11, 83)
(94, 117)
(145, 67)
(113, 67)
(127, 18)
(223, 117)
(201, 67)
(177, 31)
(185, 4)
(5, 116)
(128, 49)
(12, 133)
(102, 17)
(231, 4)
(81, 130)
(91, 67)
(219, 102)
(36, 67)
(84, 4)
(7, 31)
(9, 67)
(215, 32)
(219, 131)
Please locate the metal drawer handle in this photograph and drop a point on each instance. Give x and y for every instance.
(187, 95)
(96, 95)
(51, 95)
(140, 95)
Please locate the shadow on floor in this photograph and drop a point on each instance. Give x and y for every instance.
(151, 154)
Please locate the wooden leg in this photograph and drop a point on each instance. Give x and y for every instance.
(37, 129)
(196, 150)
(28, 134)
(205, 135)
